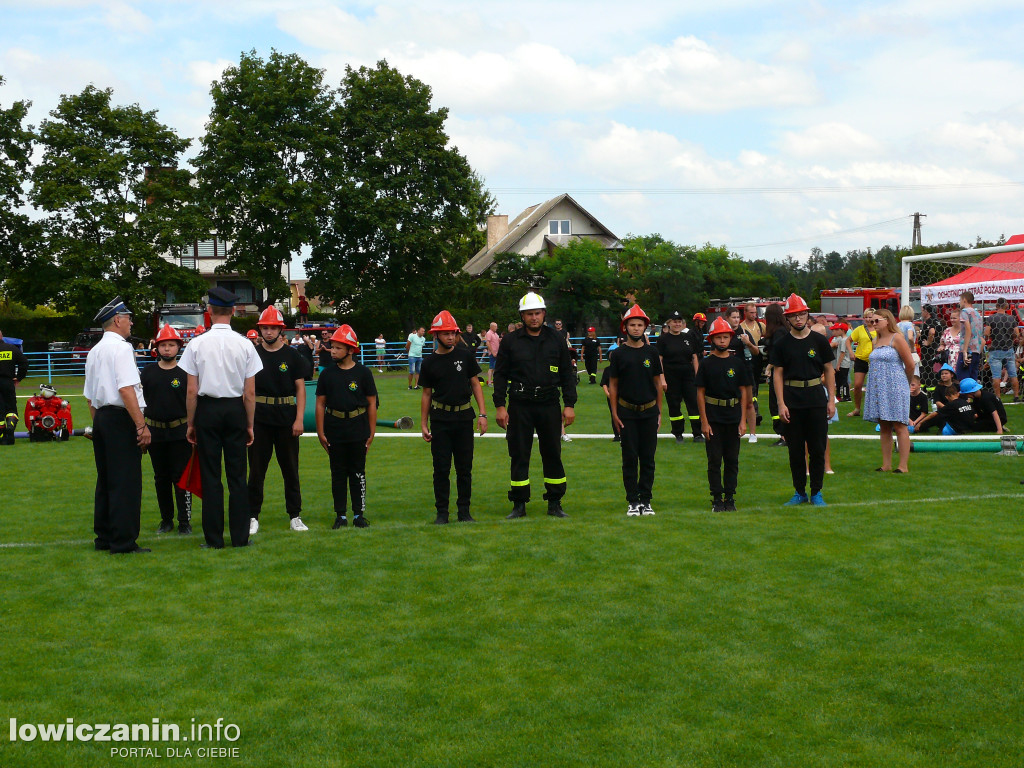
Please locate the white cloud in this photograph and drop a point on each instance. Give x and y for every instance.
(202, 73)
(831, 140)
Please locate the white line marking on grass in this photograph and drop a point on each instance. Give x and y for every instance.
(16, 544)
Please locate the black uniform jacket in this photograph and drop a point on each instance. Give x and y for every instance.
(534, 368)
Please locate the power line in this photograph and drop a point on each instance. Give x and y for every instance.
(828, 235)
(754, 190)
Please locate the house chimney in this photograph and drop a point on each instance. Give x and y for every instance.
(497, 228)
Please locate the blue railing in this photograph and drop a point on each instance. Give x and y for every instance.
(52, 364)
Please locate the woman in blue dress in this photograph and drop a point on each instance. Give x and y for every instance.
(887, 399)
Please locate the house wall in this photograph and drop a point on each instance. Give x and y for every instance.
(533, 241)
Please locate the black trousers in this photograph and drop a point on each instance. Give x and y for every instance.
(221, 429)
(169, 458)
(807, 427)
(590, 361)
(723, 447)
(682, 387)
(268, 439)
(639, 443)
(615, 427)
(778, 426)
(842, 383)
(452, 440)
(348, 474)
(9, 404)
(546, 419)
(117, 510)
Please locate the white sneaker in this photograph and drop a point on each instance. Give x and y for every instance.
(753, 438)
(646, 509)
(254, 526)
(566, 439)
(634, 510)
(298, 525)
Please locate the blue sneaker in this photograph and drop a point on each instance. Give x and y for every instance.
(817, 500)
(798, 498)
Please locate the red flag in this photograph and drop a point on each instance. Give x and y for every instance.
(190, 480)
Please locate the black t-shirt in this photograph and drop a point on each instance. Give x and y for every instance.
(802, 359)
(591, 347)
(324, 357)
(986, 404)
(449, 377)
(164, 392)
(277, 379)
(929, 351)
(637, 369)
(939, 395)
(959, 415)
(736, 346)
(471, 340)
(346, 390)
(918, 405)
(1002, 327)
(306, 353)
(677, 351)
(722, 377)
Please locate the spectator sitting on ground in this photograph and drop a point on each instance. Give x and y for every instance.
(918, 404)
(987, 409)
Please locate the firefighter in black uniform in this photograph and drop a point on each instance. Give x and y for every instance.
(164, 386)
(723, 393)
(449, 377)
(591, 353)
(799, 360)
(533, 364)
(346, 422)
(634, 370)
(13, 368)
(680, 350)
(277, 423)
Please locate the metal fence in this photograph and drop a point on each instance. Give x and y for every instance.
(49, 365)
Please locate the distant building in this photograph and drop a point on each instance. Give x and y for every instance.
(205, 256)
(542, 227)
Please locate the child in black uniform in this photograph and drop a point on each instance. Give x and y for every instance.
(449, 376)
(163, 387)
(606, 384)
(724, 385)
(634, 373)
(346, 422)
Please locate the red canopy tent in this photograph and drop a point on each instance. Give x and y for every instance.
(998, 275)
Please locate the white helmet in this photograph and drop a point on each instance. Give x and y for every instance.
(531, 301)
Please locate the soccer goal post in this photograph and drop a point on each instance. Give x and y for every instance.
(986, 272)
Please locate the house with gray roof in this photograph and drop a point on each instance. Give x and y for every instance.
(540, 228)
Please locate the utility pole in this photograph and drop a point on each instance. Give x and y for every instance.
(916, 239)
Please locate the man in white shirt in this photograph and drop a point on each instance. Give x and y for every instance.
(120, 436)
(221, 402)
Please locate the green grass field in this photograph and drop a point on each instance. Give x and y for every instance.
(884, 630)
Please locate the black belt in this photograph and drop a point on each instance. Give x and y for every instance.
(798, 383)
(346, 414)
(454, 408)
(638, 408)
(166, 424)
(275, 400)
(522, 392)
(725, 403)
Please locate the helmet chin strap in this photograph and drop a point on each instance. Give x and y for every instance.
(636, 337)
(441, 342)
(167, 358)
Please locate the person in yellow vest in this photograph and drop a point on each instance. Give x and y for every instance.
(858, 346)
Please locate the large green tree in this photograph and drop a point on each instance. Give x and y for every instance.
(116, 204)
(269, 131)
(17, 231)
(402, 206)
(660, 275)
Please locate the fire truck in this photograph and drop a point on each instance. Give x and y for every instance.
(844, 302)
(184, 318)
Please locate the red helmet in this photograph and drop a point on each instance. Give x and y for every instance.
(167, 333)
(444, 322)
(271, 316)
(345, 335)
(701, 316)
(721, 325)
(199, 329)
(794, 305)
(591, 329)
(635, 312)
(252, 333)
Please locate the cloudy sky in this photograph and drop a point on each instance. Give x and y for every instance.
(770, 128)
